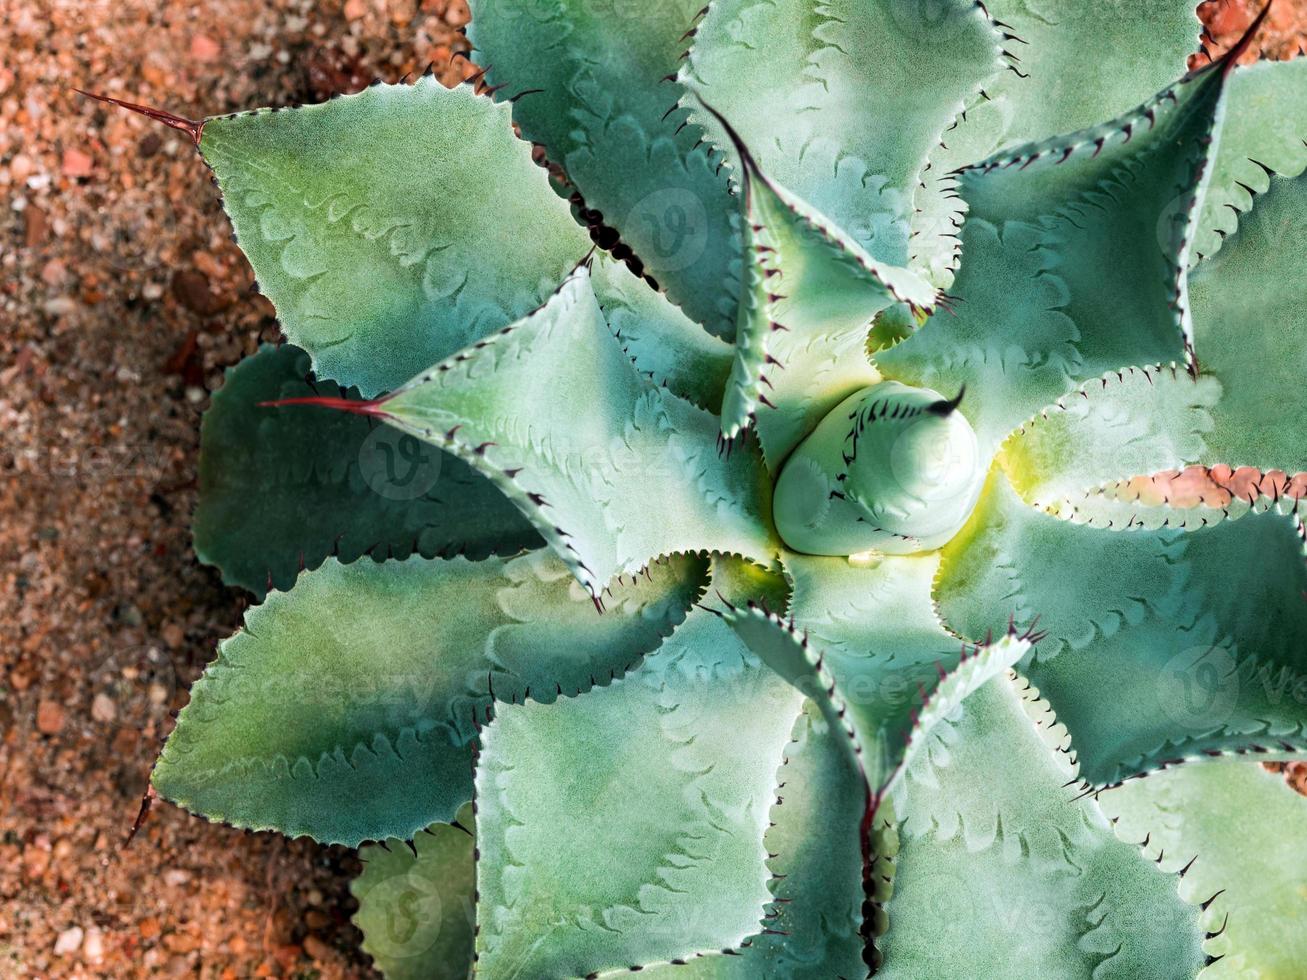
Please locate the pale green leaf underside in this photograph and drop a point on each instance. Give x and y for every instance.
(589, 84)
(1265, 126)
(865, 644)
(1074, 257)
(1140, 420)
(416, 907)
(282, 489)
(1073, 63)
(612, 469)
(1246, 828)
(1162, 644)
(624, 827)
(999, 873)
(841, 101)
(802, 333)
(346, 708)
(379, 226)
(1250, 333)
(663, 343)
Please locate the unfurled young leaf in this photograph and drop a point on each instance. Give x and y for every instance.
(801, 580)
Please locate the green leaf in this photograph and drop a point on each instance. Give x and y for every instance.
(1076, 250)
(379, 226)
(813, 928)
(346, 708)
(1139, 420)
(625, 827)
(662, 342)
(841, 101)
(417, 909)
(1072, 64)
(1265, 130)
(1081, 62)
(1250, 333)
(802, 333)
(997, 866)
(589, 82)
(281, 489)
(865, 644)
(1245, 828)
(612, 470)
(1162, 644)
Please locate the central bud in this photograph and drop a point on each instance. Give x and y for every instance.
(891, 469)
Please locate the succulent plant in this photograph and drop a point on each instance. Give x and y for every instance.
(770, 537)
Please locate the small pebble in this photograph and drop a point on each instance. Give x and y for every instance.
(20, 168)
(205, 48)
(69, 941)
(77, 163)
(173, 635)
(49, 718)
(103, 708)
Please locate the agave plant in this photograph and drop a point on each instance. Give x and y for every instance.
(769, 538)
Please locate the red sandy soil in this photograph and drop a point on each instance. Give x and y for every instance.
(122, 299)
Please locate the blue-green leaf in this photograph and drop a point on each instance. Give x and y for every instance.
(589, 81)
(999, 870)
(841, 101)
(610, 468)
(1075, 257)
(1250, 333)
(1161, 644)
(1236, 831)
(863, 641)
(686, 749)
(346, 708)
(281, 489)
(379, 227)
(417, 909)
(662, 342)
(1140, 420)
(1265, 134)
(800, 343)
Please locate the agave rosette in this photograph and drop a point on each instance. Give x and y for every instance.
(795, 582)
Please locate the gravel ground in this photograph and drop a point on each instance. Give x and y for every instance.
(121, 301)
